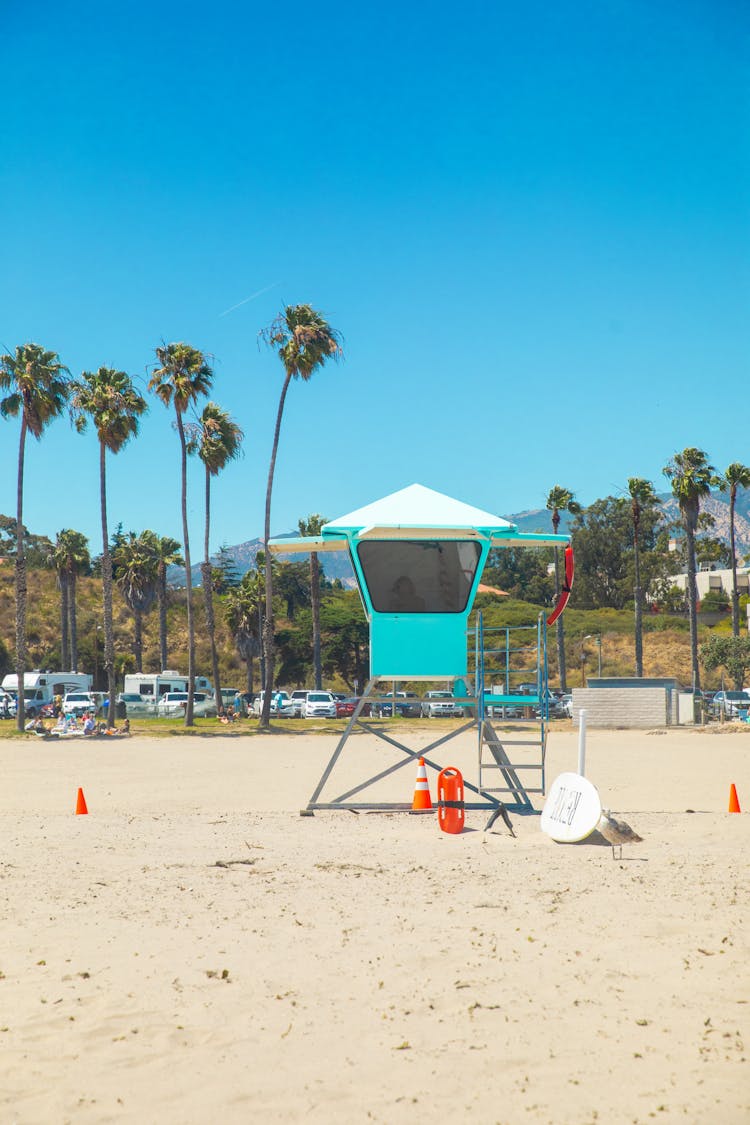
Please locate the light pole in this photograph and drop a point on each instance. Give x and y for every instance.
(598, 638)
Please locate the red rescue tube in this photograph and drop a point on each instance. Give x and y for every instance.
(450, 788)
(562, 601)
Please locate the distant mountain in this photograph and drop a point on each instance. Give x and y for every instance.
(336, 564)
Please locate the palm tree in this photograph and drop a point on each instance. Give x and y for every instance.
(736, 476)
(243, 607)
(58, 558)
(137, 576)
(110, 400)
(312, 526)
(38, 388)
(217, 441)
(167, 552)
(560, 500)
(642, 496)
(72, 548)
(183, 375)
(303, 340)
(691, 477)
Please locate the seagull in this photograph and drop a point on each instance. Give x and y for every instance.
(616, 832)
(503, 812)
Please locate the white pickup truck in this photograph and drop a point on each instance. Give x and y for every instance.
(79, 703)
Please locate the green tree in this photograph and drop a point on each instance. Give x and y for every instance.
(560, 500)
(183, 375)
(225, 572)
(291, 584)
(243, 607)
(522, 573)
(691, 477)
(736, 476)
(303, 341)
(642, 499)
(217, 440)
(167, 552)
(70, 558)
(731, 653)
(57, 559)
(345, 638)
(313, 525)
(109, 399)
(137, 578)
(37, 386)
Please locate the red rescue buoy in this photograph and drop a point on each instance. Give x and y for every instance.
(450, 788)
(562, 601)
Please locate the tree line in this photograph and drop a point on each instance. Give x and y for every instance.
(619, 541)
(39, 388)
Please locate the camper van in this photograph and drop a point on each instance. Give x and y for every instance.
(151, 686)
(40, 688)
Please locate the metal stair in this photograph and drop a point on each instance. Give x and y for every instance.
(505, 658)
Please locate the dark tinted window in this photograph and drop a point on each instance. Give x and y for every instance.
(419, 576)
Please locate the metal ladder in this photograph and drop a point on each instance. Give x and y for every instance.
(506, 657)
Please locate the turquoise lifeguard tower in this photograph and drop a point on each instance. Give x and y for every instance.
(418, 556)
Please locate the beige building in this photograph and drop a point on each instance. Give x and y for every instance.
(707, 580)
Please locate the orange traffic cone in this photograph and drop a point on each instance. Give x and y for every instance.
(734, 804)
(421, 789)
(81, 809)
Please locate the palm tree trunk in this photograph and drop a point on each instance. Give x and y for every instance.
(109, 640)
(265, 716)
(161, 594)
(208, 598)
(735, 592)
(20, 584)
(638, 605)
(692, 602)
(73, 623)
(188, 579)
(138, 643)
(64, 639)
(315, 599)
(262, 660)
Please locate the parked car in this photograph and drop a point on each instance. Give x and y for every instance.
(174, 703)
(406, 704)
(281, 704)
(298, 698)
(439, 705)
(79, 703)
(345, 706)
(135, 705)
(729, 704)
(319, 705)
(555, 709)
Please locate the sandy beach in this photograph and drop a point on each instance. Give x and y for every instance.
(194, 951)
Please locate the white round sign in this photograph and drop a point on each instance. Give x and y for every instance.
(572, 809)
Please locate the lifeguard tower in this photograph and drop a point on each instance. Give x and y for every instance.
(417, 556)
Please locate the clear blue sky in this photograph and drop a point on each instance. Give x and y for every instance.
(530, 223)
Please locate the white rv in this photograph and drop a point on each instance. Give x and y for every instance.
(151, 686)
(40, 687)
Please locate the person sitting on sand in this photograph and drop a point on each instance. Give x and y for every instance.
(89, 724)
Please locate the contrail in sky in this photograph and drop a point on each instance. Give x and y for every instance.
(250, 298)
